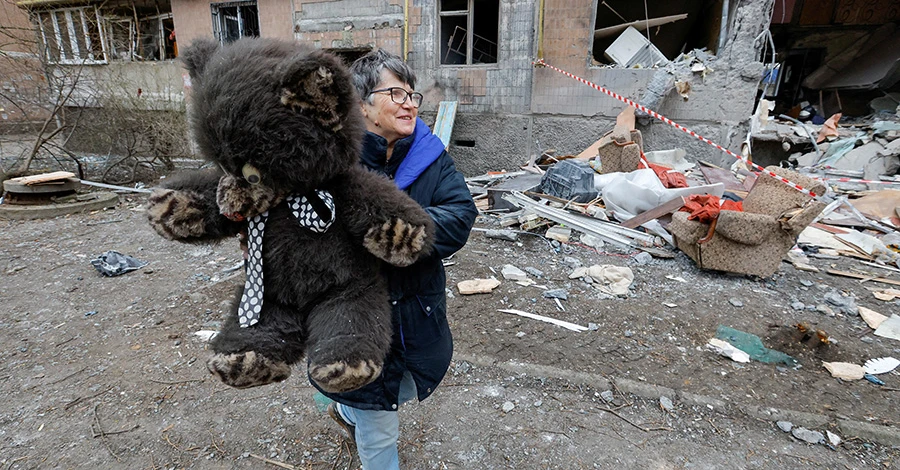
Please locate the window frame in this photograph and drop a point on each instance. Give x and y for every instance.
(218, 24)
(469, 13)
(71, 35)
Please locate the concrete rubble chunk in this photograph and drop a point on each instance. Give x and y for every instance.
(513, 273)
(785, 426)
(845, 370)
(477, 286)
(812, 437)
(833, 438)
(508, 406)
(507, 235)
(561, 234)
(666, 403)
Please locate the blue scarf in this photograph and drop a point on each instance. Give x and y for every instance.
(425, 149)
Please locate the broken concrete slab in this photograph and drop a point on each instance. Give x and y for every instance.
(85, 202)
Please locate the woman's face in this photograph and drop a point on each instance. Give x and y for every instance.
(386, 118)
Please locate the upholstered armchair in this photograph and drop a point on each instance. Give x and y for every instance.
(753, 241)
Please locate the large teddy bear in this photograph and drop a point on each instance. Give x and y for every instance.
(282, 124)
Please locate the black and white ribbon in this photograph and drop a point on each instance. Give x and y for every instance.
(307, 215)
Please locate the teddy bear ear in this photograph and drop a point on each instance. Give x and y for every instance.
(196, 56)
(312, 84)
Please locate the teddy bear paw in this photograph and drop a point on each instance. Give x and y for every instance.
(396, 241)
(339, 377)
(248, 369)
(175, 214)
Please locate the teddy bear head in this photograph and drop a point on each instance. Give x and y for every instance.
(272, 113)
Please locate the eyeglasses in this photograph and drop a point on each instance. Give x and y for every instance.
(399, 95)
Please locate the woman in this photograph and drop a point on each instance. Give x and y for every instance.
(401, 146)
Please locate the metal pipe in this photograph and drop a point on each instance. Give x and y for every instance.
(723, 26)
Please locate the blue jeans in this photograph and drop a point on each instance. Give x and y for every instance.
(377, 432)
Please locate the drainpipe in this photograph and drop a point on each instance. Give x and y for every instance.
(723, 26)
(405, 29)
(540, 52)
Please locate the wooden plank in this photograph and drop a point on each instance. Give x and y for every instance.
(443, 124)
(835, 272)
(640, 25)
(44, 178)
(655, 213)
(828, 228)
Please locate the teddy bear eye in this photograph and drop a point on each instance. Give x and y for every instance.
(251, 174)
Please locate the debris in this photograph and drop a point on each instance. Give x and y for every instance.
(564, 324)
(833, 438)
(829, 129)
(507, 235)
(666, 404)
(206, 335)
(607, 395)
(812, 437)
(873, 379)
(556, 294)
(670, 305)
(835, 272)
(871, 317)
(592, 241)
(508, 406)
(785, 426)
(90, 314)
(887, 295)
(881, 365)
(725, 348)
(753, 346)
(889, 328)
(676, 278)
(736, 302)
(477, 286)
(513, 273)
(570, 179)
(631, 48)
(664, 209)
(113, 263)
(535, 272)
(561, 234)
(612, 280)
(612, 233)
(639, 25)
(845, 370)
(642, 258)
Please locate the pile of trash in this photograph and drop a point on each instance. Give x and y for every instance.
(615, 195)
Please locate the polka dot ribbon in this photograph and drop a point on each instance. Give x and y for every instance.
(307, 216)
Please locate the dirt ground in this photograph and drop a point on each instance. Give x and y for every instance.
(106, 372)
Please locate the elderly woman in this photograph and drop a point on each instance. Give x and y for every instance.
(400, 146)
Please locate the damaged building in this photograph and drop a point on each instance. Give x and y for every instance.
(702, 63)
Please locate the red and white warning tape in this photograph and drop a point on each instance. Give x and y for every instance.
(541, 63)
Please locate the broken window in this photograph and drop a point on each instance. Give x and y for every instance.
(469, 31)
(72, 35)
(633, 33)
(235, 20)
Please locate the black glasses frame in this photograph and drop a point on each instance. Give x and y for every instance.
(400, 95)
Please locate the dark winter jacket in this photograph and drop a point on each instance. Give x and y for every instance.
(422, 341)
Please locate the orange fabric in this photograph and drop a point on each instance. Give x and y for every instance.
(705, 208)
(669, 177)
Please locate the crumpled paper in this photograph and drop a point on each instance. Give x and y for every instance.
(609, 279)
(113, 263)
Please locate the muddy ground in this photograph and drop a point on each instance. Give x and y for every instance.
(106, 372)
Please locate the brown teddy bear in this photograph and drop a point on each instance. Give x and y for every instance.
(282, 124)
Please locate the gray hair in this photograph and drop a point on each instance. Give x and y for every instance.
(366, 72)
